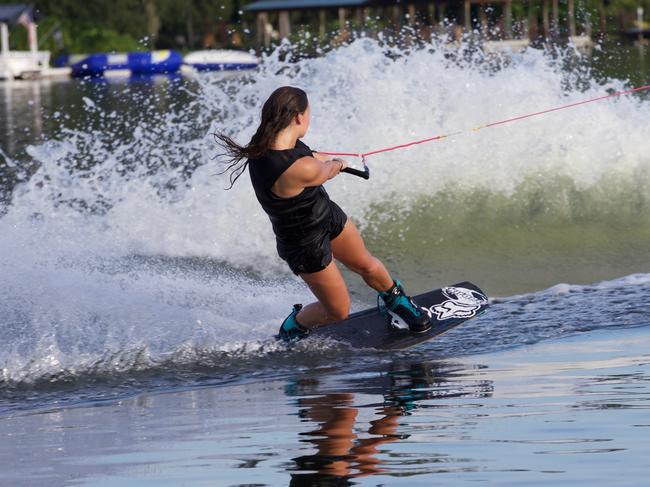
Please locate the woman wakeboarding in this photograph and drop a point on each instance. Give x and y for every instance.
(312, 232)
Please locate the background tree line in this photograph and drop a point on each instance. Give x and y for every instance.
(84, 26)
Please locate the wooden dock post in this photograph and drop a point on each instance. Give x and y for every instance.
(4, 40)
(571, 18)
(555, 25)
(284, 24)
(533, 27)
(602, 17)
(483, 21)
(467, 12)
(397, 17)
(343, 29)
(322, 17)
(545, 21)
(263, 31)
(507, 13)
(412, 14)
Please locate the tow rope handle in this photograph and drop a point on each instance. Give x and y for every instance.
(365, 174)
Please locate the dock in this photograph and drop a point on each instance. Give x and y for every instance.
(494, 22)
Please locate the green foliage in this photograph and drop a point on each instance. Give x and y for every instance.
(82, 26)
(99, 39)
(629, 7)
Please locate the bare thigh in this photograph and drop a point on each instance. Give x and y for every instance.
(332, 293)
(348, 247)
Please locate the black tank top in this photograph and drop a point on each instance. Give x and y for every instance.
(298, 220)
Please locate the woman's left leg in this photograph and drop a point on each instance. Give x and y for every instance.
(348, 247)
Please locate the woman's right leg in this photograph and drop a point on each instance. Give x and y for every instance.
(348, 248)
(333, 299)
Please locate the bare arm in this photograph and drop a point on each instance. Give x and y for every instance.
(322, 157)
(306, 172)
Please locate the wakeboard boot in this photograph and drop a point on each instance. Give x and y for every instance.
(291, 330)
(403, 310)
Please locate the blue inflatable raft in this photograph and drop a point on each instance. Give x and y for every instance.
(137, 63)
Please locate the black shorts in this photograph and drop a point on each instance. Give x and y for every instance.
(317, 255)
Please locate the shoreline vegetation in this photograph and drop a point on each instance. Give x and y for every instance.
(75, 26)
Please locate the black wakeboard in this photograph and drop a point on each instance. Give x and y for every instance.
(448, 307)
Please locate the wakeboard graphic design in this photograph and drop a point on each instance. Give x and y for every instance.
(461, 303)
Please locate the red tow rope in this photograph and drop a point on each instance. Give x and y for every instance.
(493, 124)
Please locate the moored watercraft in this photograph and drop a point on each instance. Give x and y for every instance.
(221, 60)
(131, 63)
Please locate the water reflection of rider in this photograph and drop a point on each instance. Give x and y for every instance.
(341, 455)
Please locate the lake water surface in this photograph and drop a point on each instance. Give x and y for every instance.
(138, 298)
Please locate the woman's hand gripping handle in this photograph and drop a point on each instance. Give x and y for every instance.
(365, 174)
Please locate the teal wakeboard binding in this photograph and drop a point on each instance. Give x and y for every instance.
(290, 330)
(402, 310)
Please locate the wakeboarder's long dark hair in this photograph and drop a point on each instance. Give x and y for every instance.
(278, 111)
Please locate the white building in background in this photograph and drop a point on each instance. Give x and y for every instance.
(20, 64)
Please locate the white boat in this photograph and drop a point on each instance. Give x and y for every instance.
(220, 60)
(20, 64)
